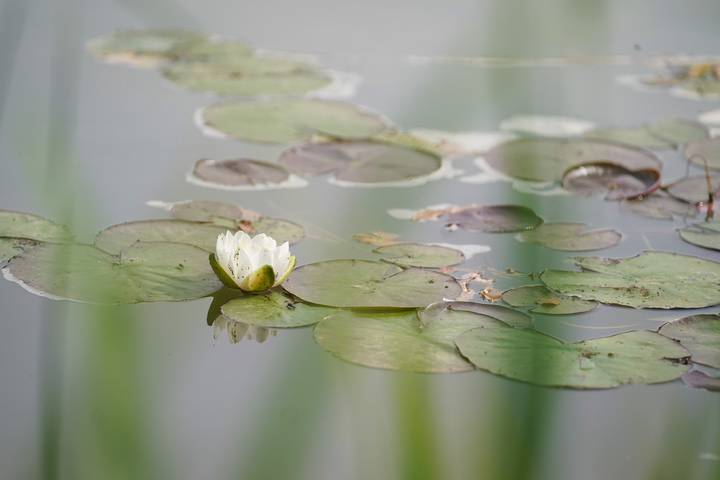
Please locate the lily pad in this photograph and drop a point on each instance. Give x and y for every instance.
(701, 151)
(650, 280)
(247, 76)
(377, 239)
(665, 134)
(360, 162)
(211, 50)
(221, 213)
(493, 218)
(548, 159)
(706, 235)
(10, 247)
(532, 357)
(143, 272)
(31, 227)
(421, 256)
(274, 310)
(289, 121)
(368, 284)
(615, 181)
(279, 229)
(239, 172)
(116, 238)
(698, 333)
(541, 300)
(694, 189)
(661, 206)
(571, 237)
(398, 341)
(141, 47)
(437, 311)
(698, 379)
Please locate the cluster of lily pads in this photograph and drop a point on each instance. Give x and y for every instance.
(407, 309)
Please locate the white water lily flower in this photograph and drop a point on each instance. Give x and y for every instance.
(252, 264)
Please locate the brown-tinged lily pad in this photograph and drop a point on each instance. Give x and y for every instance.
(368, 284)
(288, 121)
(614, 181)
(660, 206)
(438, 312)
(141, 47)
(698, 379)
(143, 272)
(700, 334)
(541, 300)
(420, 255)
(241, 172)
(31, 227)
(704, 151)
(571, 237)
(493, 218)
(548, 159)
(638, 357)
(706, 235)
(652, 279)
(361, 162)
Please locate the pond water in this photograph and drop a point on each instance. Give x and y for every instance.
(146, 391)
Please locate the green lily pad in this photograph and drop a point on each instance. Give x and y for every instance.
(398, 341)
(660, 206)
(701, 151)
(241, 172)
(571, 237)
(437, 311)
(279, 229)
(31, 227)
(144, 272)
(614, 181)
(532, 357)
(694, 189)
(706, 235)
(541, 300)
(360, 162)
(274, 310)
(419, 255)
(698, 333)
(289, 121)
(367, 284)
(141, 47)
(247, 76)
(493, 218)
(548, 159)
(10, 247)
(665, 134)
(116, 238)
(650, 280)
(210, 50)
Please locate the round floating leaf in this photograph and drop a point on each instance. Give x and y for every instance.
(287, 121)
(698, 333)
(10, 247)
(398, 341)
(571, 237)
(274, 310)
(361, 162)
(239, 172)
(664, 134)
(701, 151)
(31, 227)
(367, 284)
(247, 76)
(437, 311)
(706, 235)
(141, 47)
(378, 239)
(660, 206)
(211, 211)
(118, 237)
(144, 272)
(547, 159)
(279, 229)
(208, 50)
(694, 189)
(541, 300)
(678, 131)
(650, 280)
(419, 255)
(529, 356)
(493, 218)
(615, 181)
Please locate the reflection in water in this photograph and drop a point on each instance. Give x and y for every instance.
(236, 331)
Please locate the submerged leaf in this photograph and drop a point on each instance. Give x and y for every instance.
(239, 172)
(698, 333)
(701, 151)
(571, 237)
(398, 341)
(541, 300)
(529, 356)
(275, 310)
(650, 280)
(368, 284)
(286, 121)
(143, 272)
(421, 256)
